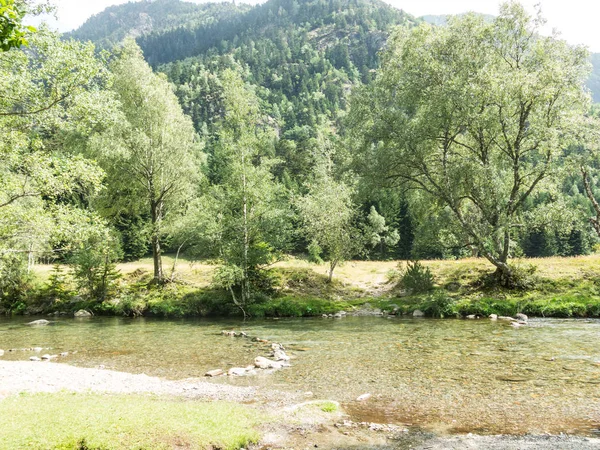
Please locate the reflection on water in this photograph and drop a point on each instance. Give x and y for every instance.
(448, 375)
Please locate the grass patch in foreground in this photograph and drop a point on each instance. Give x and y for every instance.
(107, 422)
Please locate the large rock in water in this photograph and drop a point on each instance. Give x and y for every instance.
(522, 317)
(40, 322)
(83, 313)
(418, 313)
(263, 363)
(280, 355)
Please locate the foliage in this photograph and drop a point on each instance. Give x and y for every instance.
(328, 215)
(45, 113)
(13, 34)
(416, 278)
(378, 234)
(438, 305)
(474, 116)
(15, 280)
(93, 264)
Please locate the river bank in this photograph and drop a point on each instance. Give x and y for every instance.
(555, 287)
(106, 409)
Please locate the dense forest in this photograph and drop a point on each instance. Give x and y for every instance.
(328, 129)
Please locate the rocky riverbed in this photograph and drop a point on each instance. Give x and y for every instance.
(25, 376)
(301, 424)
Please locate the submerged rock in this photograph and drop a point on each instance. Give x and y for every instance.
(237, 371)
(34, 358)
(40, 322)
(83, 313)
(49, 357)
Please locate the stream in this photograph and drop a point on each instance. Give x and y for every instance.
(446, 376)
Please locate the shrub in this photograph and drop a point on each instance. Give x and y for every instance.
(94, 267)
(417, 278)
(439, 305)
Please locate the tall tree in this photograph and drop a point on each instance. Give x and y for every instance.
(153, 159)
(328, 213)
(44, 109)
(253, 211)
(474, 115)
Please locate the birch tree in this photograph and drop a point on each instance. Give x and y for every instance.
(153, 158)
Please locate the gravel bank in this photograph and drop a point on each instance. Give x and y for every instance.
(24, 376)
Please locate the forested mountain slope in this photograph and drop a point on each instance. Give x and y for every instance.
(301, 58)
(138, 18)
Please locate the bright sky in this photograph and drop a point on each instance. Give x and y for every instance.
(577, 20)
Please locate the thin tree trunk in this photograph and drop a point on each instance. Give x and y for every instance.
(332, 266)
(245, 284)
(155, 241)
(176, 259)
(590, 195)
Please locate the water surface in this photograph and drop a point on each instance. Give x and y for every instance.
(446, 375)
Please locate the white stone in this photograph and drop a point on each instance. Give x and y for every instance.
(237, 371)
(362, 398)
(418, 313)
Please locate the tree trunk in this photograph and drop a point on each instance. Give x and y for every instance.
(332, 265)
(595, 221)
(245, 281)
(156, 208)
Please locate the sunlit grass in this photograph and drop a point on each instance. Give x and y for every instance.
(95, 421)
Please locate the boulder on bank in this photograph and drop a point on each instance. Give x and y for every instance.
(493, 316)
(418, 313)
(83, 313)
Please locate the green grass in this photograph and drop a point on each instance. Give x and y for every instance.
(329, 407)
(108, 422)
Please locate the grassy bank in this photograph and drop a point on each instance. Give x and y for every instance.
(555, 287)
(94, 421)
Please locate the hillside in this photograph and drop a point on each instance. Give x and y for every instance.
(138, 18)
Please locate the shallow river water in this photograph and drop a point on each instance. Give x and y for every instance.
(443, 375)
